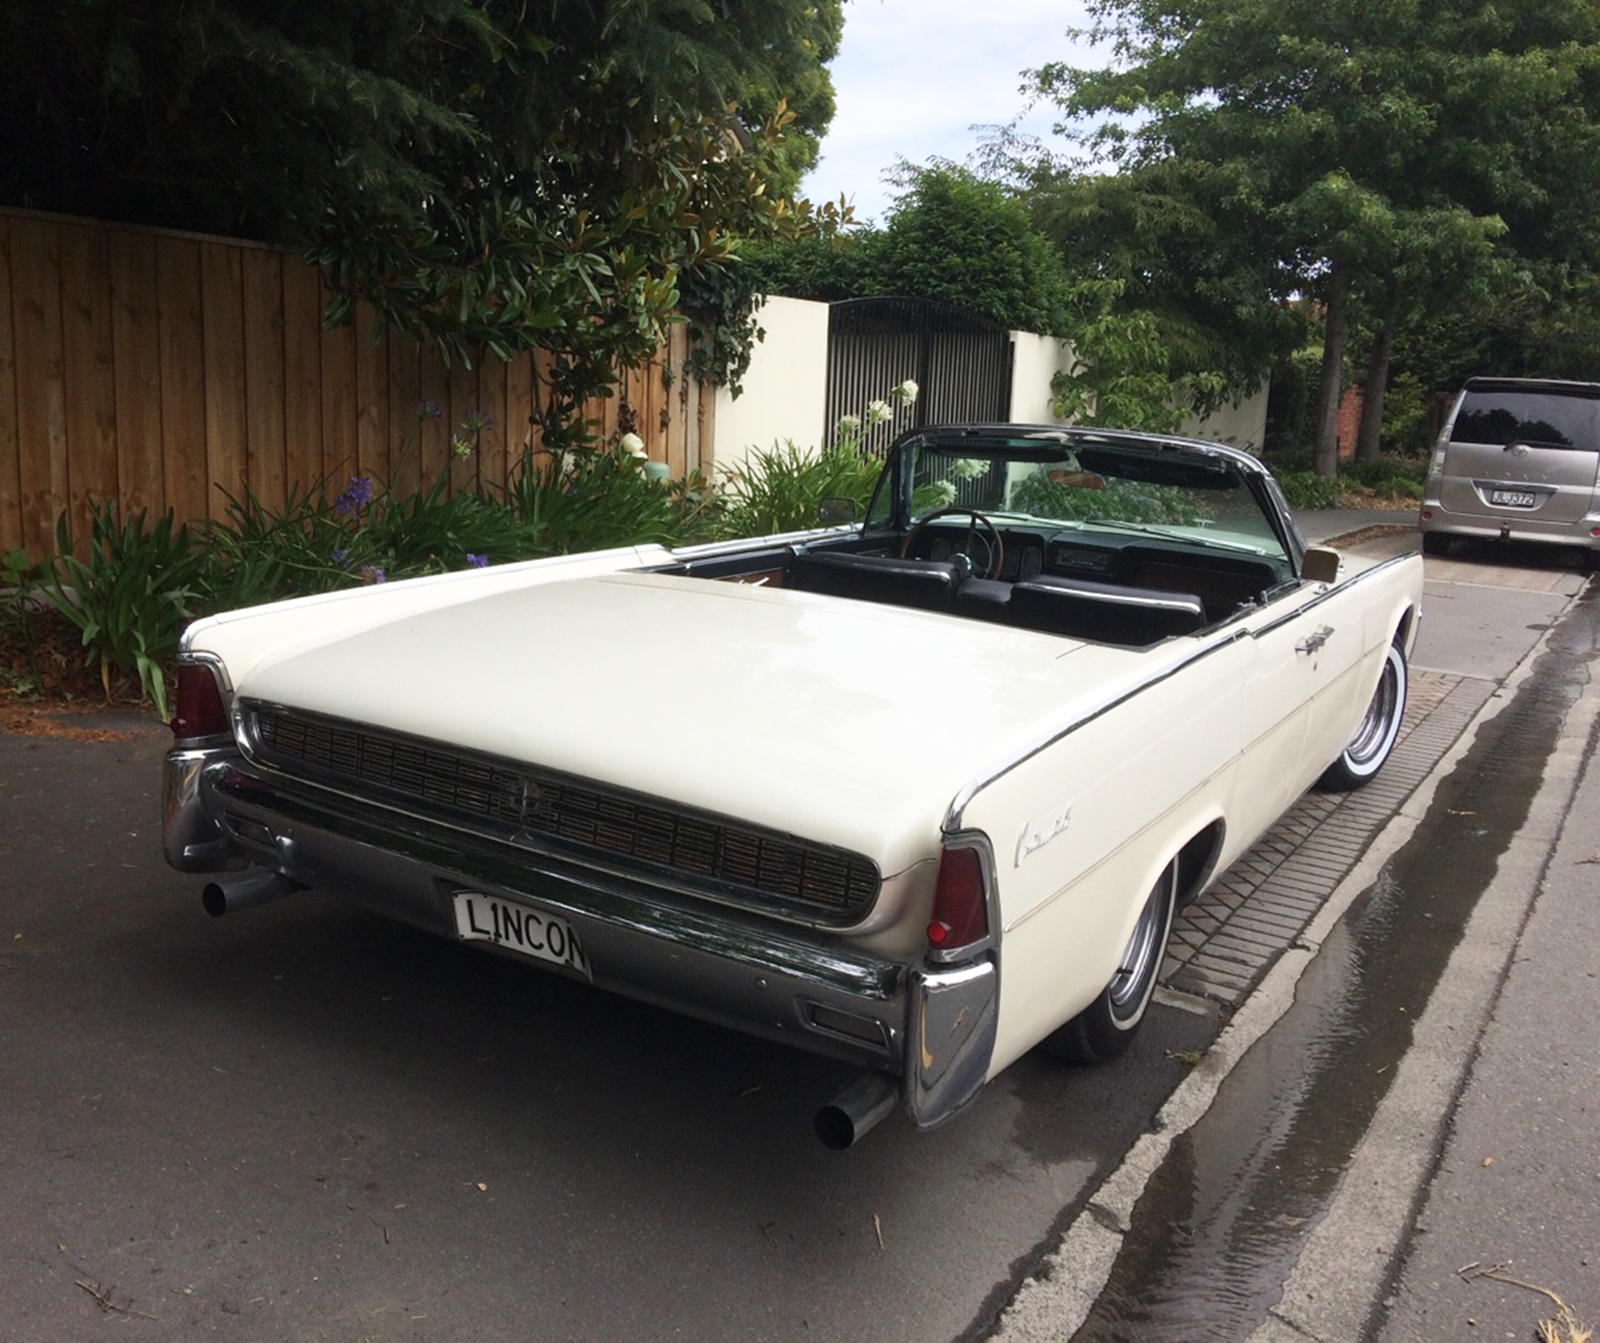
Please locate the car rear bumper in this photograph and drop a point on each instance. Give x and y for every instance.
(1509, 526)
(932, 1027)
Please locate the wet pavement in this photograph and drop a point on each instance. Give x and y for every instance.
(1221, 1228)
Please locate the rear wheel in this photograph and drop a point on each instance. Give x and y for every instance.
(1107, 1026)
(1375, 738)
(1435, 543)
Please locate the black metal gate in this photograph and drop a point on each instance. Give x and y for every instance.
(960, 363)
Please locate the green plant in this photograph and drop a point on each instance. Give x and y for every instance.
(593, 499)
(132, 595)
(19, 576)
(1306, 489)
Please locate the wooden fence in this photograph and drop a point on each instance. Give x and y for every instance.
(160, 369)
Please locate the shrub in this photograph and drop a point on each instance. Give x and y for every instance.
(131, 597)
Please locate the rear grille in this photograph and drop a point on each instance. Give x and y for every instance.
(523, 804)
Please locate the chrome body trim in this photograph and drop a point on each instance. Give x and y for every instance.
(936, 1025)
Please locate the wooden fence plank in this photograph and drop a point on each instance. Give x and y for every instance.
(340, 451)
(222, 309)
(136, 352)
(264, 389)
(183, 378)
(302, 379)
(372, 397)
(489, 450)
(10, 465)
(86, 347)
(41, 381)
(406, 415)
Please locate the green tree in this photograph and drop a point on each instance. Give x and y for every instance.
(950, 236)
(1371, 153)
(491, 175)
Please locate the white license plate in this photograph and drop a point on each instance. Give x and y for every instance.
(521, 928)
(1513, 498)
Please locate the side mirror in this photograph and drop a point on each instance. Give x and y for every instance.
(831, 512)
(1321, 565)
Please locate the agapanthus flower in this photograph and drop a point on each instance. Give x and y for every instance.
(878, 412)
(429, 410)
(370, 574)
(459, 447)
(633, 445)
(969, 468)
(356, 495)
(905, 392)
(477, 422)
(849, 423)
(477, 561)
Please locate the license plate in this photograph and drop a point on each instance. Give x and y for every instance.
(531, 932)
(1513, 498)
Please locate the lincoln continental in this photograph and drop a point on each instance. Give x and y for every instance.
(959, 761)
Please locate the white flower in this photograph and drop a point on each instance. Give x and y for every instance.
(969, 468)
(849, 423)
(633, 445)
(878, 412)
(941, 493)
(906, 392)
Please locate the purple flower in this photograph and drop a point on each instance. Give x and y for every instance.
(429, 410)
(339, 557)
(477, 561)
(477, 422)
(356, 495)
(370, 574)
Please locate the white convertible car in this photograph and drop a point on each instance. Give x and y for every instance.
(953, 770)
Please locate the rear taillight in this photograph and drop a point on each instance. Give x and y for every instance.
(960, 915)
(198, 710)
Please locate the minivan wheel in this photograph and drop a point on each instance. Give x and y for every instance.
(1435, 543)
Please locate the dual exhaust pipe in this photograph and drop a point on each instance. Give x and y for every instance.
(840, 1124)
(245, 890)
(856, 1110)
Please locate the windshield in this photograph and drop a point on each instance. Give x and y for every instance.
(1104, 486)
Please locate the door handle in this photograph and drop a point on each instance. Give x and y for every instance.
(1312, 642)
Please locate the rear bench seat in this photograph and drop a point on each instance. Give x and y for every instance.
(928, 585)
(1080, 608)
(1071, 607)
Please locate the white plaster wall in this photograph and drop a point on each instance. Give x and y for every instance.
(1034, 361)
(1243, 424)
(786, 387)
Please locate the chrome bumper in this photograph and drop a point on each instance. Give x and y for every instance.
(933, 1027)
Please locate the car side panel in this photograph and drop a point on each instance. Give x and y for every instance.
(1082, 829)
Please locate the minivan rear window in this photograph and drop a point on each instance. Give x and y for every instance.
(1540, 419)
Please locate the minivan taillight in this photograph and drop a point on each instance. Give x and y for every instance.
(960, 915)
(198, 710)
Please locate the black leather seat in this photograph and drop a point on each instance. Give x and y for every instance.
(1080, 608)
(928, 585)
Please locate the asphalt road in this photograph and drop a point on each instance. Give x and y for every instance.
(304, 1122)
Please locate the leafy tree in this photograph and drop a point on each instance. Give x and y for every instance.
(950, 236)
(1372, 153)
(969, 242)
(488, 174)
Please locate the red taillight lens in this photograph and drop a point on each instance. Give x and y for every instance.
(198, 710)
(960, 907)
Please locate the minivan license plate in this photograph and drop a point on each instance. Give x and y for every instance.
(1513, 498)
(520, 928)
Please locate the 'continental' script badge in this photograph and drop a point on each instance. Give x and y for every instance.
(1039, 832)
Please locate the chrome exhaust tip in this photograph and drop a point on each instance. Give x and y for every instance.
(855, 1111)
(245, 890)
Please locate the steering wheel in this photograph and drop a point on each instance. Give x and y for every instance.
(992, 542)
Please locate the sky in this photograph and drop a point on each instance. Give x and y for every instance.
(913, 77)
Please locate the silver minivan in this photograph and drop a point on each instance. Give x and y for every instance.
(1518, 460)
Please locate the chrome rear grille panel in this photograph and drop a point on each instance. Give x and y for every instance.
(534, 808)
